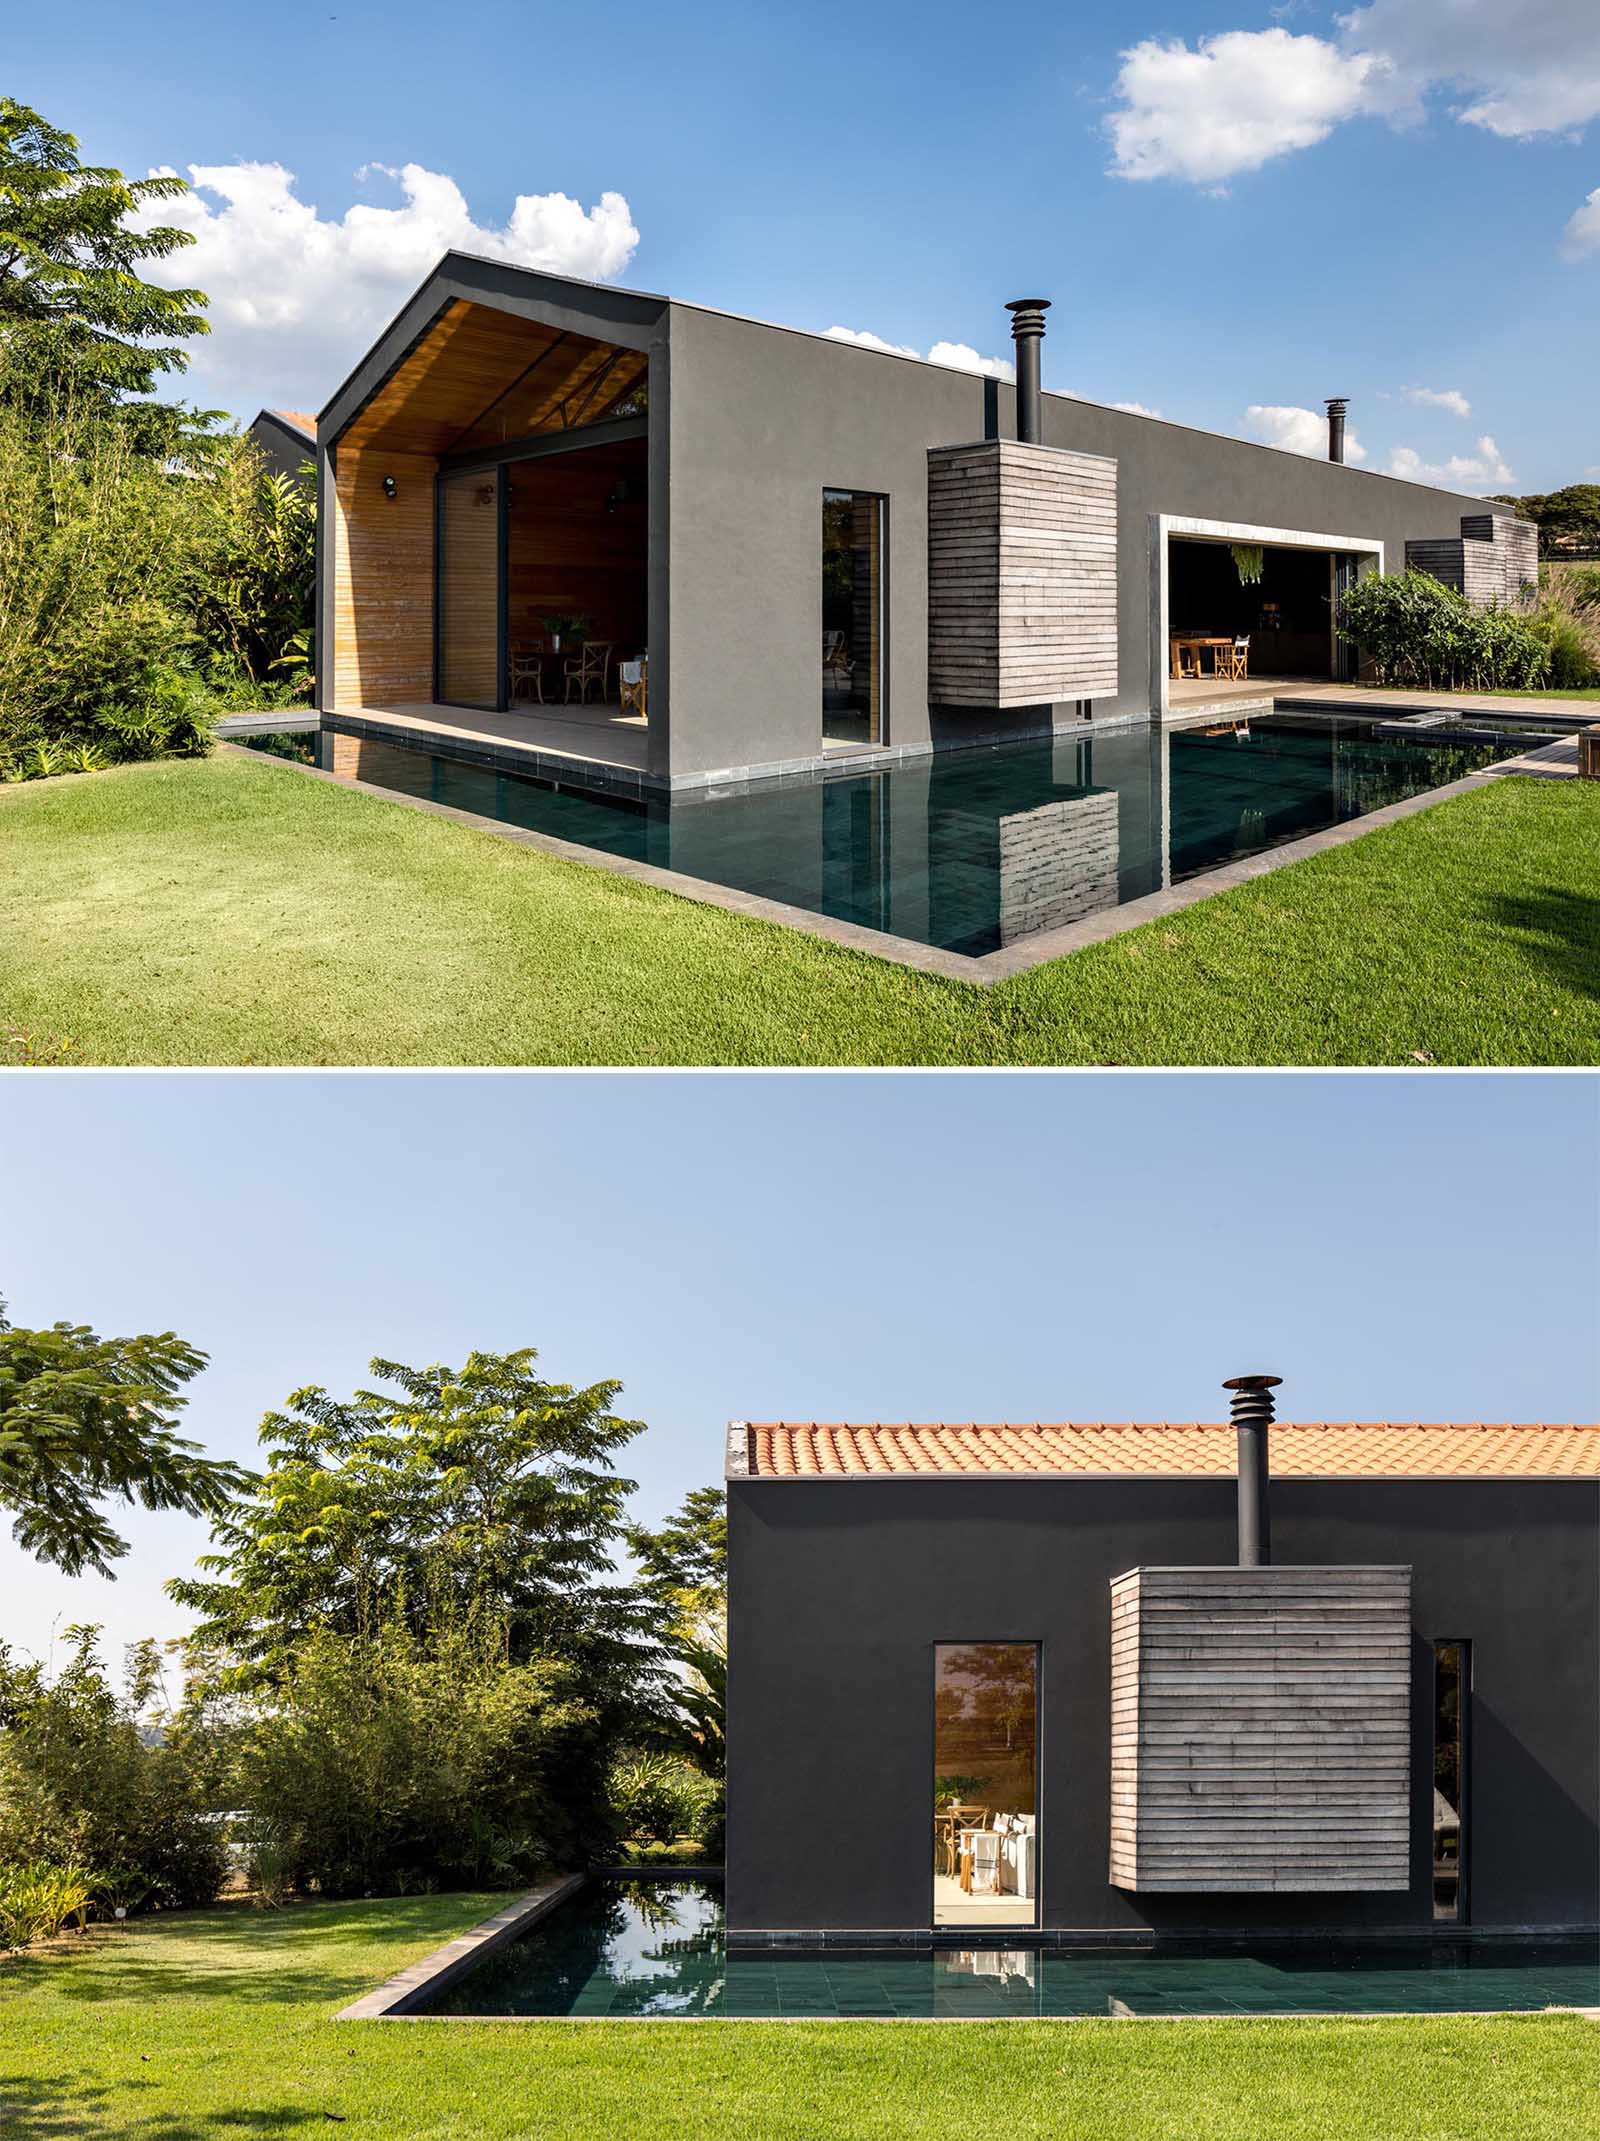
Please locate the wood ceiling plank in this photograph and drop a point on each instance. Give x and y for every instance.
(467, 376)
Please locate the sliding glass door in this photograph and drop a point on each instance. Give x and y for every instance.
(852, 617)
(471, 550)
(985, 1784)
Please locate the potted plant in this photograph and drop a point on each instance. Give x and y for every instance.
(576, 628)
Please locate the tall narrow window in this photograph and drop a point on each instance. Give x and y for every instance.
(852, 617)
(1452, 1683)
(469, 588)
(985, 1784)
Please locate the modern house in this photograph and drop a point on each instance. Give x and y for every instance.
(287, 438)
(1096, 1681)
(820, 554)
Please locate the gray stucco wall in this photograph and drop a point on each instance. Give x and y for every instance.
(762, 422)
(763, 419)
(1167, 468)
(750, 423)
(838, 1590)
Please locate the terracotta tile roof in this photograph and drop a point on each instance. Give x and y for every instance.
(810, 1449)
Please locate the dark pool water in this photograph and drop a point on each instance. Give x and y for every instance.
(655, 1948)
(973, 850)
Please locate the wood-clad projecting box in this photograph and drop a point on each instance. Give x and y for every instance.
(1260, 1729)
(1022, 575)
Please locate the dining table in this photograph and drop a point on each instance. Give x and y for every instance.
(1199, 642)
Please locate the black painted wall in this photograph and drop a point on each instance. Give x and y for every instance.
(839, 1589)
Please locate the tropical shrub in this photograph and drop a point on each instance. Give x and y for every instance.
(92, 1776)
(1415, 630)
(138, 598)
(386, 1763)
(657, 1798)
(37, 1900)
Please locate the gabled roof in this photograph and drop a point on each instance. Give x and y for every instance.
(1344, 1449)
(297, 420)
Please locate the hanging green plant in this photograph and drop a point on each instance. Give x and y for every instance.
(1248, 561)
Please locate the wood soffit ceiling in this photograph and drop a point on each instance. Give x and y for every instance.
(480, 376)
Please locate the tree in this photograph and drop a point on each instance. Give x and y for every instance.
(1568, 520)
(83, 1418)
(77, 321)
(687, 1559)
(684, 1566)
(449, 1492)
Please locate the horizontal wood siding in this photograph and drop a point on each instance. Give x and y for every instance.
(1260, 1729)
(1022, 575)
(383, 579)
(1493, 559)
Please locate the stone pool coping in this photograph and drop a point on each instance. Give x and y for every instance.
(1557, 760)
(396, 1996)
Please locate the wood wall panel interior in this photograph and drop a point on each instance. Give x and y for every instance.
(480, 376)
(469, 589)
(383, 579)
(568, 556)
(1022, 551)
(1260, 1729)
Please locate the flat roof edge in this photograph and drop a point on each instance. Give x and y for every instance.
(485, 268)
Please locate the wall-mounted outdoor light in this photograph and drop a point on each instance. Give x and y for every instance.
(391, 489)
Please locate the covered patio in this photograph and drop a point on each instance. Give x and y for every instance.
(487, 495)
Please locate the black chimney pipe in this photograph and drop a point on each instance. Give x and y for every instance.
(1027, 331)
(1252, 1416)
(1336, 407)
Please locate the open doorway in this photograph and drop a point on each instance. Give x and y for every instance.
(1249, 614)
(577, 586)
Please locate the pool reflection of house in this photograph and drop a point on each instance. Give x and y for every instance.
(990, 1683)
(598, 529)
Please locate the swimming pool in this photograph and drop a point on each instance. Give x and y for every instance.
(641, 1949)
(974, 850)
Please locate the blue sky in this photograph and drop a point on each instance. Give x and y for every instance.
(1398, 199)
(826, 1247)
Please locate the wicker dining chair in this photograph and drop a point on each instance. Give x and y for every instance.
(590, 665)
(525, 673)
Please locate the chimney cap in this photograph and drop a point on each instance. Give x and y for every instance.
(1337, 401)
(1020, 305)
(1252, 1382)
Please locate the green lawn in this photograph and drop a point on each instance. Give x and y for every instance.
(219, 2024)
(233, 911)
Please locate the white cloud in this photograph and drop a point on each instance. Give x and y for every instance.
(1302, 431)
(296, 297)
(1582, 234)
(1481, 471)
(1230, 105)
(958, 356)
(1239, 99)
(1135, 408)
(1450, 398)
(1529, 69)
(962, 357)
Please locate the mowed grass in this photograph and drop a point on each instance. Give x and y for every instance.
(220, 2023)
(232, 910)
